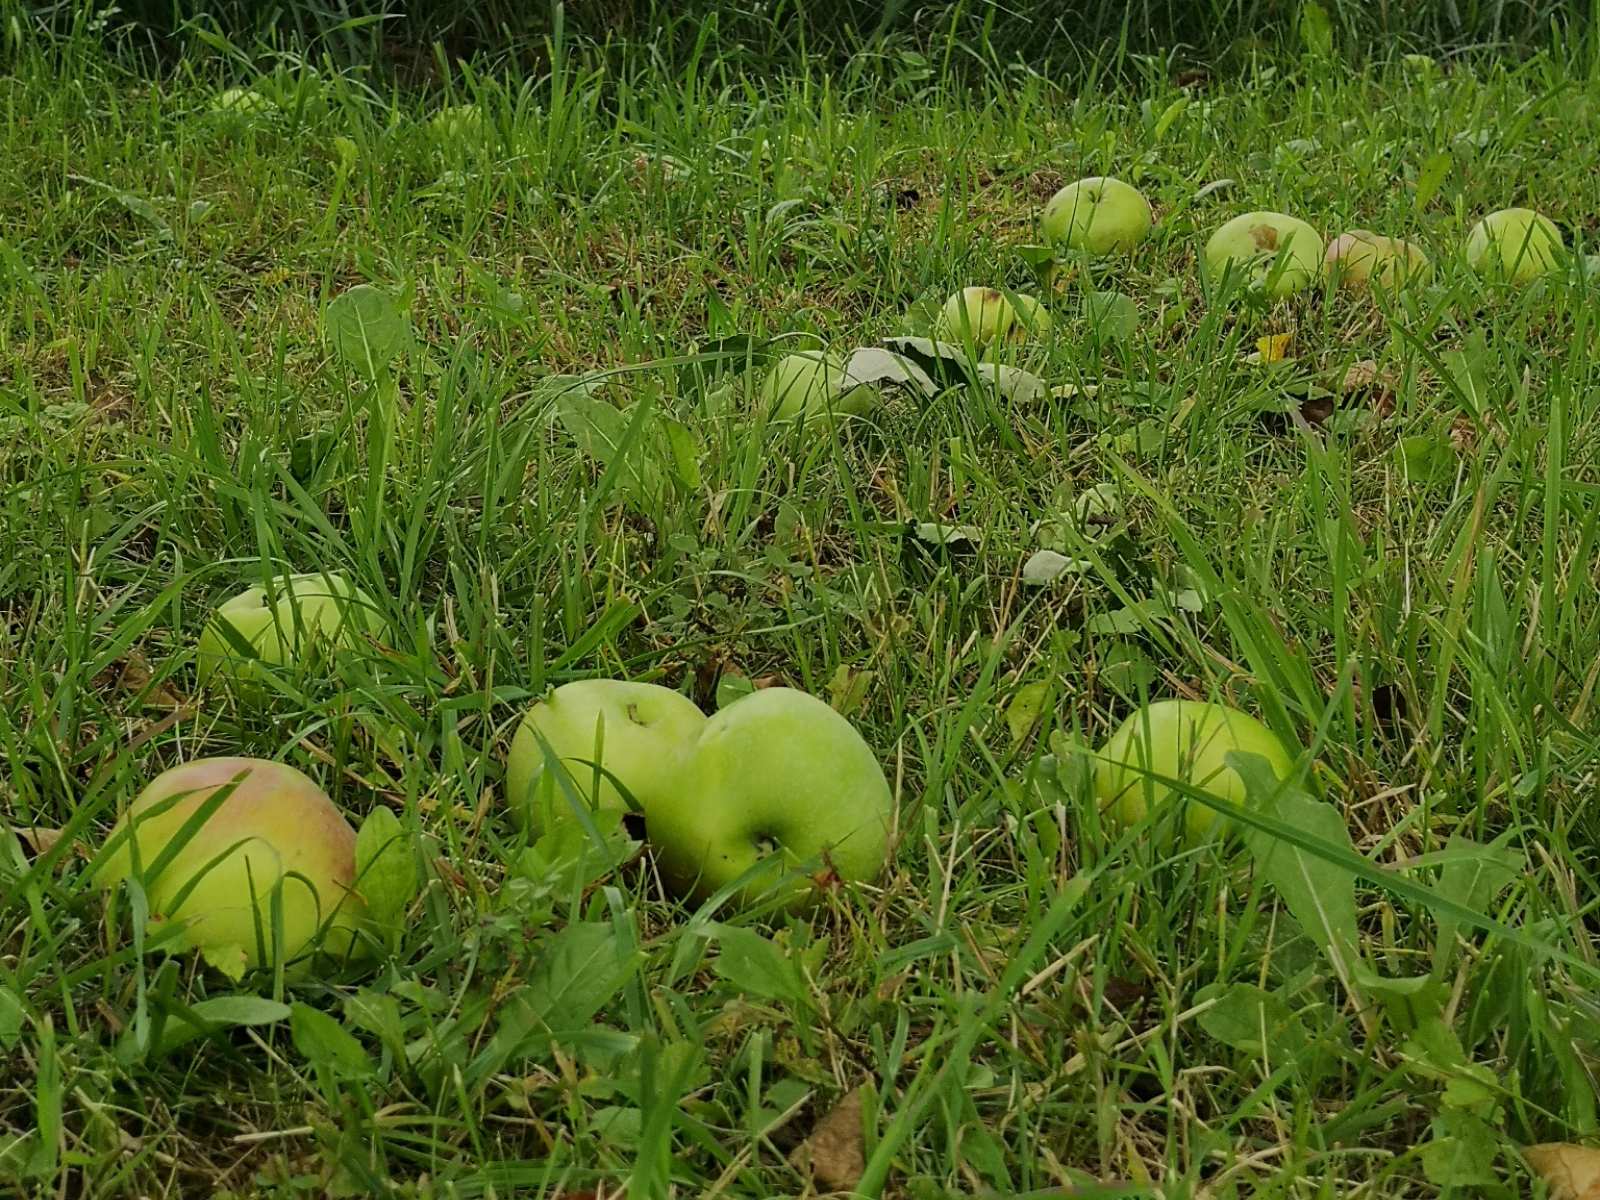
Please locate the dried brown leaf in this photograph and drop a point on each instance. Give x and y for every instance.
(835, 1152)
(1571, 1172)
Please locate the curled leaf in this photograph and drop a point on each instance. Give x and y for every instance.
(1570, 1172)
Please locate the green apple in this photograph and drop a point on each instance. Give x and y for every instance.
(1030, 319)
(1362, 259)
(275, 834)
(283, 623)
(638, 732)
(810, 383)
(979, 313)
(1275, 253)
(242, 102)
(1515, 244)
(458, 122)
(776, 773)
(1187, 740)
(1099, 215)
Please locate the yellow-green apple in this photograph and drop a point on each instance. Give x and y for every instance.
(284, 622)
(1273, 252)
(1030, 319)
(1187, 740)
(265, 837)
(1099, 215)
(1515, 244)
(457, 122)
(810, 383)
(1362, 259)
(980, 314)
(775, 774)
(242, 102)
(638, 733)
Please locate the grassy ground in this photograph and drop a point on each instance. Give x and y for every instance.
(1031, 998)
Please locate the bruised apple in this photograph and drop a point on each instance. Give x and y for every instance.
(1274, 253)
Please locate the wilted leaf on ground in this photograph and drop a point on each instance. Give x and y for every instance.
(835, 1153)
(870, 364)
(1570, 1172)
(1012, 382)
(1046, 566)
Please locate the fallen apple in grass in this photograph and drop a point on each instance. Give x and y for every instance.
(810, 383)
(638, 733)
(457, 122)
(1362, 259)
(242, 102)
(284, 622)
(1273, 252)
(1029, 319)
(273, 844)
(1187, 740)
(776, 774)
(1097, 216)
(1515, 244)
(976, 314)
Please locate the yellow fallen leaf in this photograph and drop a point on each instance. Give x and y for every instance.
(1274, 347)
(1570, 1172)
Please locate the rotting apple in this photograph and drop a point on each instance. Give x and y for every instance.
(1275, 253)
(637, 732)
(1361, 259)
(776, 774)
(810, 383)
(1515, 244)
(1099, 215)
(1188, 740)
(265, 840)
(283, 622)
(978, 314)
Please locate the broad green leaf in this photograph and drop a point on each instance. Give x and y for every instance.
(1472, 876)
(601, 431)
(1462, 1151)
(326, 1043)
(386, 868)
(367, 328)
(686, 449)
(756, 965)
(1252, 1020)
(579, 971)
(1320, 894)
(211, 1016)
(379, 1014)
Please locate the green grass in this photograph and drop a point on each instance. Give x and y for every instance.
(1030, 998)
